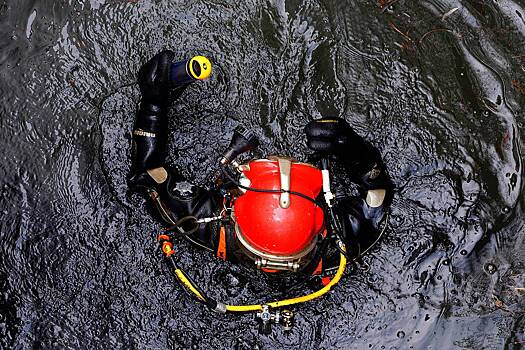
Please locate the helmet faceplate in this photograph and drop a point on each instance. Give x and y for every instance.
(270, 227)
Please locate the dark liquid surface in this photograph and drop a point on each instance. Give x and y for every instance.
(438, 86)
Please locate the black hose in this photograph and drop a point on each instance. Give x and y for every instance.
(180, 230)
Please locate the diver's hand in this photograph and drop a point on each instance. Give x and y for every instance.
(334, 137)
(154, 78)
(329, 135)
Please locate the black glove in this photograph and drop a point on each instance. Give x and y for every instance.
(329, 135)
(334, 137)
(154, 78)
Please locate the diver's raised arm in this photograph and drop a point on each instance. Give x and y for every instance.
(162, 81)
(361, 216)
(361, 160)
(151, 124)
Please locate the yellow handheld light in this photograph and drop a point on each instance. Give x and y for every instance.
(190, 70)
(199, 67)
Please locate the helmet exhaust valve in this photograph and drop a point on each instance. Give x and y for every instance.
(243, 140)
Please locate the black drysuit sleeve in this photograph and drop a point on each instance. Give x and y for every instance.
(170, 193)
(361, 221)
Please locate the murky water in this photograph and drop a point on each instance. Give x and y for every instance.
(438, 86)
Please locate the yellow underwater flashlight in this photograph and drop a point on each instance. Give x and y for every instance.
(190, 70)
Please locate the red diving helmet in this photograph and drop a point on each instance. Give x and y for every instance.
(278, 230)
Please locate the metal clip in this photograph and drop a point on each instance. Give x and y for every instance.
(213, 218)
(220, 308)
(207, 220)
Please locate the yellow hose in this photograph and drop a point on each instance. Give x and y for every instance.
(297, 300)
(275, 304)
(182, 277)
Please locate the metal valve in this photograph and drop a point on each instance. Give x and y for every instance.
(267, 318)
(287, 319)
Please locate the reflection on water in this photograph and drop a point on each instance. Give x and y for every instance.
(438, 86)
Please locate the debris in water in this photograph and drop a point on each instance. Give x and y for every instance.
(449, 13)
(497, 301)
(519, 290)
(385, 3)
(518, 86)
(434, 31)
(392, 25)
(29, 27)
(490, 268)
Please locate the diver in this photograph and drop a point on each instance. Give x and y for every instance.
(272, 213)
